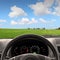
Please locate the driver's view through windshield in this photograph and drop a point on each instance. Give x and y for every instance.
(30, 29)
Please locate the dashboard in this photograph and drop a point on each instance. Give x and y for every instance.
(29, 46)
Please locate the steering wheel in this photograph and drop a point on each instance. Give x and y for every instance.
(30, 56)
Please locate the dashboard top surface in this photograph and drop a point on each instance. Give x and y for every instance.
(4, 42)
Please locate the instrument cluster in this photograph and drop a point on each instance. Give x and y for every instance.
(29, 46)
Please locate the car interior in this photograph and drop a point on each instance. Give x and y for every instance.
(30, 47)
(29, 29)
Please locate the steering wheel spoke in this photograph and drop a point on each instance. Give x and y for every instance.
(42, 57)
(49, 58)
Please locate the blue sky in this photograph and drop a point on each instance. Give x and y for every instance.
(30, 14)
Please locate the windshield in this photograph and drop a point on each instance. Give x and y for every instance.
(40, 17)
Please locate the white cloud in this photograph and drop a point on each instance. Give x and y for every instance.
(24, 21)
(27, 21)
(46, 7)
(34, 21)
(47, 21)
(43, 20)
(1, 20)
(58, 2)
(40, 8)
(13, 22)
(52, 21)
(57, 11)
(16, 11)
(57, 8)
(48, 3)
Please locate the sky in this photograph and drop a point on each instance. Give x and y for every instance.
(30, 14)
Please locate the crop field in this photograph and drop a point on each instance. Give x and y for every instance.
(12, 33)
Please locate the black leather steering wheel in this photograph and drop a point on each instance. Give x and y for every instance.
(30, 56)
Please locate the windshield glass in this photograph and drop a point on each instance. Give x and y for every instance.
(40, 17)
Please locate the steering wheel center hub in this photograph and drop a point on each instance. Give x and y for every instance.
(30, 57)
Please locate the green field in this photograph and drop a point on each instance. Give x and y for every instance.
(12, 33)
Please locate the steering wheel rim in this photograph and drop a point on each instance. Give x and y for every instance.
(3, 56)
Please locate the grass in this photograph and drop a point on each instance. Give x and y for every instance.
(12, 33)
